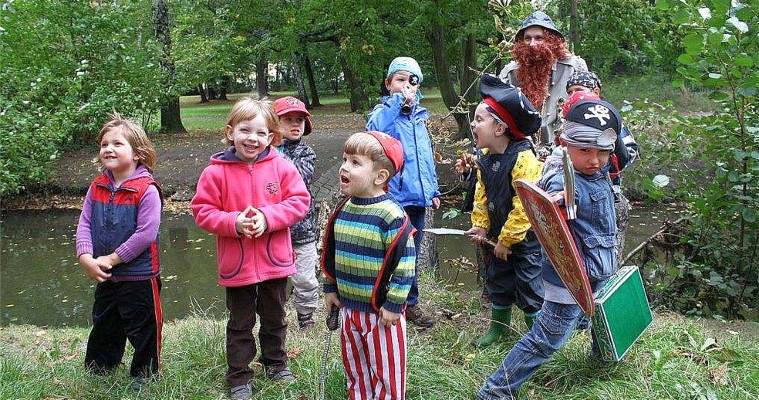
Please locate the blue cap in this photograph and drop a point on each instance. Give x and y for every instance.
(405, 64)
(539, 18)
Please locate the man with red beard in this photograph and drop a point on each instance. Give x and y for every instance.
(541, 67)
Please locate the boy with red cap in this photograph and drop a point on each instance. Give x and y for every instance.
(368, 265)
(296, 123)
(502, 123)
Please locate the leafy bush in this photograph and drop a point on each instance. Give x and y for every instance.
(65, 66)
(718, 155)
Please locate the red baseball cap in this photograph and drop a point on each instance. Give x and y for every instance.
(392, 147)
(290, 104)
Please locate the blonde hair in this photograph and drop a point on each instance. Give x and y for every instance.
(248, 108)
(135, 135)
(362, 143)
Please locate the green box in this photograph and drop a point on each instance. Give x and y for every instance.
(622, 313)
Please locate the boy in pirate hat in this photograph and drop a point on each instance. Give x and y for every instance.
(589, 135)
(502, 124)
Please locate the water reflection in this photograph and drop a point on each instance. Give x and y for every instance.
(42, 283)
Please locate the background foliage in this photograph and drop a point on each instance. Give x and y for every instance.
(65, 65)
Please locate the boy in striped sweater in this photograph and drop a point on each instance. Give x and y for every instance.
(368, 264)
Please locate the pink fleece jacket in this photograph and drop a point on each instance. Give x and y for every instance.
(227, 187)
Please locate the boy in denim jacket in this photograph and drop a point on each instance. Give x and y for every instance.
(590, 140)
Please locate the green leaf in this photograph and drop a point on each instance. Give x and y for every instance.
(681, 17)
(744, 61)
(693, 43)
(749, 215)
(685, 59)
(662, 4)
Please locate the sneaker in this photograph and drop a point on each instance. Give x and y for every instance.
(281, 375)
(418, 317)
(306, 321)
(241, 392)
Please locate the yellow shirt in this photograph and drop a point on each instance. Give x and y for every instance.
(514, 230)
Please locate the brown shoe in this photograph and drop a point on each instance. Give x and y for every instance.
(418, 317)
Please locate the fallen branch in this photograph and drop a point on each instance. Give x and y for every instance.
(650, 239)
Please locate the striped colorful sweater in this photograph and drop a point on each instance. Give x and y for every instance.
(363, 231)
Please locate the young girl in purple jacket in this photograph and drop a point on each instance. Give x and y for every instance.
(249, 197)
(117, 246)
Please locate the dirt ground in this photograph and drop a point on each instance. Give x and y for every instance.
(182, 157)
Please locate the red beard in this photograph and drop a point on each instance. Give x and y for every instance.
(534, 72)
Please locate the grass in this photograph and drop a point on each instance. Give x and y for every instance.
(617, 90)
(676, 358)
(211, 116)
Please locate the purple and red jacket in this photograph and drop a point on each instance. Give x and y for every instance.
(124, 220)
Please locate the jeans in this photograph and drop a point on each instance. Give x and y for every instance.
(416, 217)
(552, 328)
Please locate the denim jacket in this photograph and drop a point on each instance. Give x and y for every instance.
(594, 229)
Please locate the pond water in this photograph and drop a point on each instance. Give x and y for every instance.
(41, 282)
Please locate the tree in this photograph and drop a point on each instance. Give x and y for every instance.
(171, 120)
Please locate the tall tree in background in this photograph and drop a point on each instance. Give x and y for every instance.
(171, 120)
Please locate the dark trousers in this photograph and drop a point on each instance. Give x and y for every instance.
(126, 310)
(516, 280)
(267, 299)
(416, 217)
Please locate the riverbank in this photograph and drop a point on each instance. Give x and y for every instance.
(675, 358)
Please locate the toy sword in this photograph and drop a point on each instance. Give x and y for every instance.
(569, 185)
(449, 231)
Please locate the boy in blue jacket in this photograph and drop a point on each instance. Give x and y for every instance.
(415, 187)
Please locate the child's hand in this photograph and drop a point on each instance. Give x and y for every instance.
(461, 166)
(331, 299)
(388, 318)
(435, 203)
(477, 234)
(259, 222)
(501, 251)
(244, 224)
(251, 223)
(95, 269)
(409, 94)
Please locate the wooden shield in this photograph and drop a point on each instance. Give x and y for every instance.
(550, 225)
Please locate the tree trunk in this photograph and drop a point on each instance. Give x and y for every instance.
(202, 92)
(358, 97)
(436, 38)
(310, 74)
(171, 120)
(471, 94)
(224, 87)
(428, 257)
(298, 76)
(574, 19)
(262, 77)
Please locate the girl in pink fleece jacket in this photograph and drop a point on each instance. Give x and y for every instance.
(248, 197)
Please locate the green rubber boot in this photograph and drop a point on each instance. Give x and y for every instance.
(529, 319)
(499, 327)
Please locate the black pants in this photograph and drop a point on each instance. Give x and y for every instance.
(518, 280)
(126, 310)
(267, 299)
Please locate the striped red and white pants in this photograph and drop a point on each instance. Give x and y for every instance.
(374, 356)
